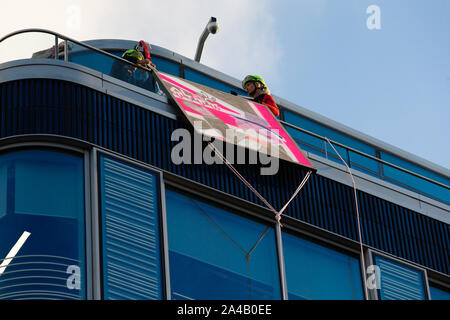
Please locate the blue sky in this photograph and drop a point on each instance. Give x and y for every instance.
(392, 84)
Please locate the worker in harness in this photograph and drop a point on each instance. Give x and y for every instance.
(132, 74)
(257, 89)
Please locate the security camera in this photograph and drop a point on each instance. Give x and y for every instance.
(213, 26)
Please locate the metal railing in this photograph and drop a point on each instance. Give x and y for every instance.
(378, 160)
(66, 39)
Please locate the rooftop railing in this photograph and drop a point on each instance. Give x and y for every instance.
(71, 50)
(368, 164)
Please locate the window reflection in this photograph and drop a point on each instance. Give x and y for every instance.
(215, 254)
(42, 192)
(314, 272)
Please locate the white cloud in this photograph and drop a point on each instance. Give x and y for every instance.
(246, 41)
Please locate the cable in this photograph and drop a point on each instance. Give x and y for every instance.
(296, 191)
(229, 165)
(357, 216)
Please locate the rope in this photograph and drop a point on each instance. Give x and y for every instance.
(357, 215)
(229, 165)
(296, 191)
(277, 213)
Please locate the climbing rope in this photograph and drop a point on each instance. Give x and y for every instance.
(357, 215)
(233, 169)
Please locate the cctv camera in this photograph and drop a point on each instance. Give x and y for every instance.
(213, 26)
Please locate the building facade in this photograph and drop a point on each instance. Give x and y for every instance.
(92, 207)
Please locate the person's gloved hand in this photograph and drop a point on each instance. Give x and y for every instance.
(147, 63)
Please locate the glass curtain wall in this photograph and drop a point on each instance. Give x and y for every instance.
(42, 220)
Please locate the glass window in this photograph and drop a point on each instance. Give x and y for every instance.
(324, 131)
(414, 183)
(215, 254)
(412, 167)
(112, 67)
(438, 294)
(364, 164)
(317, 146)
(314, 272)
(161, 64)
(92, 59)
(42, 193)
(197, 77)
(357, 161)
(33, 198)
(166, 66)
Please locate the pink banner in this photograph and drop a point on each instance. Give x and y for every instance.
(220, 113)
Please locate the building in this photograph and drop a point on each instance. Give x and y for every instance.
(92, 207)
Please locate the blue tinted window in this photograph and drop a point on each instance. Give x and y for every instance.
(324, 131)
(317, 146)
(195, 76)
(33, 198)
(314, 272)
(414, 183)
(438, 294)
(166, 66)
(215, 254)
(161, 64)
(357, 161)
(414, 168)
(112, 67)
(364, 164)
(42, 192)
(92, 59)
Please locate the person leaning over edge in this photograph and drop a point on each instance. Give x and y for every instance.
(123, 71)
(256, 88)
(135, 56)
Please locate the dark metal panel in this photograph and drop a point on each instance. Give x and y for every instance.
(130, 214)
(401, 237)
(437, 238)
(338, 213)
(383, 228)
(63, 108)
(349, 217)
(432, 243)
(370, 221)
(417, 232)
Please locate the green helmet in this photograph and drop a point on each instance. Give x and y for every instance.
(253, 78)
(133, 55)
